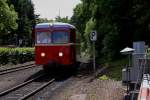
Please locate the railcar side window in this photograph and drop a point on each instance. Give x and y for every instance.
(60, 37)
(43, 37)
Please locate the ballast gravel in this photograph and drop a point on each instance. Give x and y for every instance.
(85, 89)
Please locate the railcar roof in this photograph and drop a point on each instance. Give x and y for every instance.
(54, 25)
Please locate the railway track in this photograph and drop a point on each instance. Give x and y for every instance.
(25, 90)
(10, 70)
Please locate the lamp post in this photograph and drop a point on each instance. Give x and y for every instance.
(127, 51)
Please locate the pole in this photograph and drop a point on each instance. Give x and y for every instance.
(94, 66)
(127, 80)
(128, 73)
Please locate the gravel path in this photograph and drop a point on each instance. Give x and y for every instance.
(105, 90)
(84, 89)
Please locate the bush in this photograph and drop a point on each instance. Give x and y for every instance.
(104, 77)
(16, 55)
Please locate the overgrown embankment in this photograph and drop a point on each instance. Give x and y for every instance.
(114, 70)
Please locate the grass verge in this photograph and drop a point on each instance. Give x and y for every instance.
(114, 70)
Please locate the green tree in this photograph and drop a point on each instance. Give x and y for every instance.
(140, 14)
(118, 23)
(86, 46)
(26, 18)
(8, 17)
(62, 19)
(81, 19)
(43, 20)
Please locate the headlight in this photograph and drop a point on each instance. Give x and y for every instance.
(60, 54)
(42, 54)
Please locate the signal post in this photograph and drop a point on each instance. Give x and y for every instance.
(93, 38)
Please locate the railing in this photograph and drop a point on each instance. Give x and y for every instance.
(144, 93)
(144, 79)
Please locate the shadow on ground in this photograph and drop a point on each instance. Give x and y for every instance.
(63, 73)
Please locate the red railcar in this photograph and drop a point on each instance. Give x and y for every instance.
(55, 43)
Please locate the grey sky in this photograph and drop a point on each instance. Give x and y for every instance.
(50, 8)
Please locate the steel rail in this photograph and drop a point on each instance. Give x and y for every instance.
(19, 86)
(16, 69)
(36, 90)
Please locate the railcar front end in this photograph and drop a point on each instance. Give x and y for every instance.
(55, 43)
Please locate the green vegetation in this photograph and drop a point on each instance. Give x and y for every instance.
(115, 68)
(8, 17)
(17, 19)
(104, 77)
(57, 19)
(16, 55)
(62, 19)
(148, 53)
(118, 24)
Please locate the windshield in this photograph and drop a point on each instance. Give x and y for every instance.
(43, 37)
(60, 37)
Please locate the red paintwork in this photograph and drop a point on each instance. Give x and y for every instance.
(52, 50)
(52, 54)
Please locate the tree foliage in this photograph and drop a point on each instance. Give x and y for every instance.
(62, 19)
(118, 24)
(57, 19)
(25, 10)
(25, 20)
(42, 20)
(8, 17)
